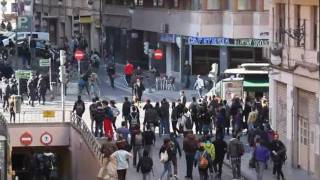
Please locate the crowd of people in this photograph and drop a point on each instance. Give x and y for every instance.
(204, 124)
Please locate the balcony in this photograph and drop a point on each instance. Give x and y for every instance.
(242, 24)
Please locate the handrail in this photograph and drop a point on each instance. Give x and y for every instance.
(4, 128)
(89, 138)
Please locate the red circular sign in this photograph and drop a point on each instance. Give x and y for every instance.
(79, 55)
(158, 54)
(46, 138)
(26, 139)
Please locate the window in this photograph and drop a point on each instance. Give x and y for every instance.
(138, 2)
(315, 27)
(280, 13)
(213, 4)
(176, 3)
(157, 3)
(244, 5)
(297, 21)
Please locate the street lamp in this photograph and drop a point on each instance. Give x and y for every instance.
(90, 3)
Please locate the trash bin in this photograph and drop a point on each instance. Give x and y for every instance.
(17, 99)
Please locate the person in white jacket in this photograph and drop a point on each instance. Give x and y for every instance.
(199, 85)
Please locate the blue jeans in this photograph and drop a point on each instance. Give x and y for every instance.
(164, 127)
(166, 169)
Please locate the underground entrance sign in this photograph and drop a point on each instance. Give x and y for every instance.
(26, 139)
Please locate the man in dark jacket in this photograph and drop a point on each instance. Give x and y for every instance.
(99, 117)
(111, 70)
(164, 121)
(79, 107)
(42, 89)
(235, 151)
(126, 109)
(138, 89)
(278, 155)
(220, 149)
(187, 73)
(149, 139)
(93, 109)
(190, 146)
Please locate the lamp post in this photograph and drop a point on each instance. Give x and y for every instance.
(90, 3)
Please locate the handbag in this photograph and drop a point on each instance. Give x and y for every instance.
(164, 156)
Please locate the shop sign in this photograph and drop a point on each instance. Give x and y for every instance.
(168, 38)
(220, 41)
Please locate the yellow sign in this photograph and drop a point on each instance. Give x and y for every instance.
(85, 20)
(48, 114)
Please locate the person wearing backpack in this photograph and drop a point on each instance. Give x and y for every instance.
(203, 161)
(79, 108)
(165, 155)
(145, 165)
(175, 148)
(235, 152)
(137, 144)
(99, 118)
(149, 139)
(151, 117)
(134, 117)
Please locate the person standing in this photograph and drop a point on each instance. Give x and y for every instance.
(187, 74)
(42, 89)
(115, 113)
(221, 149)
(138, 89)
(12, 110)
(128, 71)
(193, 108)
(183, 98)
(261, 156)
(136, 143)
(6, 92)
(79, 107)
(111, 70)
(164, 121)
(145, 164)
(31, 87)
(278, 155)
(122, 157)
(190, 146)
(149, 140)
(99, 118)
(199, 85)
(203, 161)
(92, 110)
(235, 151)
(174, 119)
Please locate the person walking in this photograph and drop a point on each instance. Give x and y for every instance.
(115, 113)
(149, 140)
(145, 165)
(126, 109)
(92, 111)
(99, 116)
(190, 146)
(164, 120)
(165, 155)
(79, 108)
(137, 144)
(42, 89)
(122, 157)
(261, 156)
(111, 70)
(193, 108)
(199, 85)
(278, 155)
(174, 119)
(134, 117)
(128, 72)
(31, 88)
(183, 98)
(187, 74)
(235, 151)
(175, 149)
(203, 161)
(12, 110)
(107, 121)
(123, 132)
(6, 92)
(138, 89)
(221, 149)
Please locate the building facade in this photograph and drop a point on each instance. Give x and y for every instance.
(294, 80)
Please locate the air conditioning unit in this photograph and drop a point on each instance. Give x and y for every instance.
(164, 28)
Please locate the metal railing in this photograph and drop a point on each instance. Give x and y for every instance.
(79, 124)
(4, 132)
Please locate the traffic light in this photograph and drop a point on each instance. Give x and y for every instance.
(146, 47)
(62, 72)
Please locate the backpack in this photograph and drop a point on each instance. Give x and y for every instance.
(194, 109)
(188, 122)
(152, 115)
(146, 165)
(138, 139)
(203, 162)
(134, 119)
(109, 113)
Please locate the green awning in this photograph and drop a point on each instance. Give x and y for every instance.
(256, 84)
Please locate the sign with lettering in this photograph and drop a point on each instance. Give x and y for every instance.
(221, 41)
(23, 74)
(169, 38)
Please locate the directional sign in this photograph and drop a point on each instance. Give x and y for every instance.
(46, 138)
(23, 74)
(26, 139)
(44, 62)
(48, 114)
(79, 55)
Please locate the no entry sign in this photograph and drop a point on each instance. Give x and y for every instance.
(79, 55)
(26, 139)
(158, 54)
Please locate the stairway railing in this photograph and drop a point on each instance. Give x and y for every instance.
(78, 123)
(4, 132)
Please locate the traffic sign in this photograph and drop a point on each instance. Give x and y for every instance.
(23, 74)
(79, 55)
(44, 62)
(158, 54)
(26, 139)
(48, 114)
(46, 138)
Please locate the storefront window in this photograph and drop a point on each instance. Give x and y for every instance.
(244, 5)
(213, 4)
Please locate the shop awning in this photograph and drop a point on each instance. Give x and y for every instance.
(256, 84)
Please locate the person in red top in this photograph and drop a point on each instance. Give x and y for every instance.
(128, 71)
